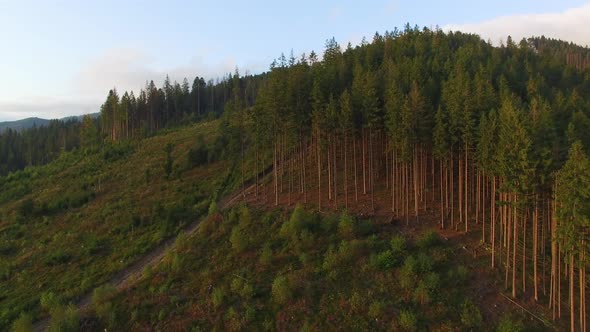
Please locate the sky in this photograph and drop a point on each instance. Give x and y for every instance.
(60, 58)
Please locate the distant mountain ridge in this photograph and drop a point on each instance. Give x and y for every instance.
(27, 123)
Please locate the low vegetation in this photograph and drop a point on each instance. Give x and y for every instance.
(301, 270)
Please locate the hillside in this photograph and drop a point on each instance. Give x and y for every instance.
(69, 226)
(423, 180)
(23, 124)
(19, 125)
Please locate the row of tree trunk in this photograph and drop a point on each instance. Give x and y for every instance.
(345, 171)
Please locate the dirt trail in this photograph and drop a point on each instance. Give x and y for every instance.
(129, 275)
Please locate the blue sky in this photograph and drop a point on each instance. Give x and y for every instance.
(61, 58)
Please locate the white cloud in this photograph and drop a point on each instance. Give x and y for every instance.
(123, 68)
(129, 69)
(570, 25)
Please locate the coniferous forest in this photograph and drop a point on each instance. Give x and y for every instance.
(422, 124)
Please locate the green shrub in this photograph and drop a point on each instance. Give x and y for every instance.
(101, 301)
(470, 315)
(346, 227)
(24, 323)
(296, 223)
(398, 245)
(212, 208)
(459, 275)
(281, 290)
(428, 239)
(265, 256)
(49, 301)
(424, 263)
(376, 309)
(422, 293)
(64, 319)
(239, 240)
(169, 161)
(246, 292)
(384, 260)
(408, 320)
(408, 274)
(245, 216)
(218, 297)
(508, 324)
(57, 258)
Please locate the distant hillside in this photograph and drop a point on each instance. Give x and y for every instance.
(34, 121)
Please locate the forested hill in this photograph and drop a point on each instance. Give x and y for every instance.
(421, 122)
(19, 125)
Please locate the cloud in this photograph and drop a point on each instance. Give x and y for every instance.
(124, 68)
(129, 69)
(570, 25)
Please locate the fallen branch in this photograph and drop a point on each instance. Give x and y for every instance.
(526, 310)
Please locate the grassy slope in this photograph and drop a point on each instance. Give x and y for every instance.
(337, 273)
(95, 213)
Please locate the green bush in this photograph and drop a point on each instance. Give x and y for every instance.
(24, 323)
(508, 324)
(239, 240)
(422, 294)
(398, 245)
(470, 315)
(49, 301)
(57, 258)
(376, 309)
(408, 274)
(408, 320)
(218, 297)
(296, 223)
(428, 239)
(265, 256)
(346, 227)
(245, 216)
(384, 260)
(424, 263)
(101, 301)
(64, 319)
(212, 208)
(281, 290)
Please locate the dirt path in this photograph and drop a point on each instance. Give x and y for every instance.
(129, 275)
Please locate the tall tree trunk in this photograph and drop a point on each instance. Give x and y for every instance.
(356, 187)
(572, 308)
(345, 170)
(276, 175)
(466, 192)
(535, 248)
(319, 162)
(461, 192)
(371, 176)
(442, 218)
(364, 162)
(493, 220)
